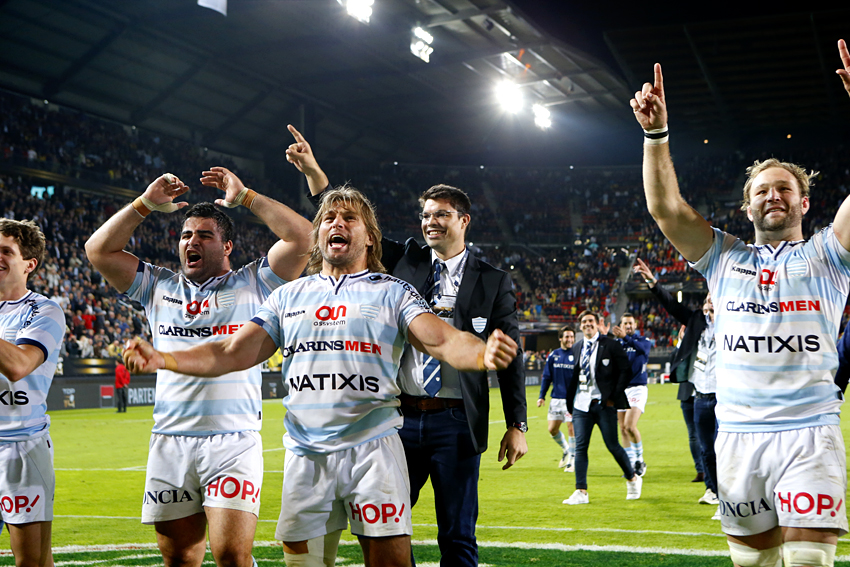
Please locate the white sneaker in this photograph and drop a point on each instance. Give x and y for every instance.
(578, 497)
(716, 515)
(565, 459)
(709, 498)
(633, 488)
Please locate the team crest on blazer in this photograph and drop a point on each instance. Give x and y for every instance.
(479, 324)
(605, 361)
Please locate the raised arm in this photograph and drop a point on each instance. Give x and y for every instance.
(289, 255)
(463, 351)
(300, 154)
(19, 361)
(841, 226)
(683, 226)
(249, 346)
(105, 248)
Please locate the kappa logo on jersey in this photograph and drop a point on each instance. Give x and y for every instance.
(767, 280)
(356, 382)
(201, 332)
(773, 306)
(803, 503)
(167, 299)
(173, 496)
(20, 503)
(294, 314)
(229, 487)
(738, 269)
(10, 398)
(371, 513)
(323, 346)
(771, 344)
(330, 316)
(743, 509)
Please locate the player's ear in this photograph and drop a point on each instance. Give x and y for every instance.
(228, 248)
(749, 214)
(804, 204)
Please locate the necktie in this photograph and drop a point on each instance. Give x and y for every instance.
(432, 381)
(585, 357)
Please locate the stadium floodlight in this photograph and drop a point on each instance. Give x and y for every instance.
(360, 10)
(420, 44)
(542, 116)
(509, 96)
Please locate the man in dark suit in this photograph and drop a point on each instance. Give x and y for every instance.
(597, 391)
(446, 412)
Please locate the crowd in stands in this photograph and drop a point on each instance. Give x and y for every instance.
(592, 220)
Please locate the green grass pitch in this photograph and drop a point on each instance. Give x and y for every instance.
(100, 460)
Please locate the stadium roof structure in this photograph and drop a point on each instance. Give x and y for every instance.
(233, 83)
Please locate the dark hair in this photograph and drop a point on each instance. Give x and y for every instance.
(626, 314)
(564, 329)
(29, 238)
(457, 197)
(586, 313)
(209, 211)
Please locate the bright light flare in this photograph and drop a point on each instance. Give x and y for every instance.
(542, 116)
(360, 10)
(509, 96)
(420, 44)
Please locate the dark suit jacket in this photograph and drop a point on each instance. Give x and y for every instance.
(485, 292)
(695, 324)
(613, 372)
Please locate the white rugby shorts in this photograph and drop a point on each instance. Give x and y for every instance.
(558, 410)
(186, 473)
(795, 478)
(637, 396)
(27, 481)
(366, 485)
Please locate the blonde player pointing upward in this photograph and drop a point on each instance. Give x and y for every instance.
(780, 454)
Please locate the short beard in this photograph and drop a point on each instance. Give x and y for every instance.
(794, 217)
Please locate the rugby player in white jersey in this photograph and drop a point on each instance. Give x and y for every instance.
(31, 331)
(205, 442)
(780, 454)
(342, 331)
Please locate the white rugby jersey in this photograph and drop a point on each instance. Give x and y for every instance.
(38, 321)
(183, 314)
(777, 313)
(341, 341)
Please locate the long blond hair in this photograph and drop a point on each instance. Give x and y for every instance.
(349, 198)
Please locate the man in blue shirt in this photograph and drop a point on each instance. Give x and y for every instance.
(558, 372)
(637, 348)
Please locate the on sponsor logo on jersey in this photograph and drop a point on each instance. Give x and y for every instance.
(330, 316)
(773, 306)
(767, 280)
(196, 307)
(200, 332)
(771, 344)
(321, 382)
(322, 346)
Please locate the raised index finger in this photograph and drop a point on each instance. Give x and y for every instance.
(295, 133)
(845, 55)
(659, 78)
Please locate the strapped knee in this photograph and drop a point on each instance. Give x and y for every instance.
(745, 556)
(808, 553)
(321, 552)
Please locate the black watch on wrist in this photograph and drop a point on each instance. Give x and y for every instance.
(521, 425)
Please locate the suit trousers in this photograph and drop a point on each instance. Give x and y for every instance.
(606, 418)
(438, 444)
(706, 425)
(693, 443)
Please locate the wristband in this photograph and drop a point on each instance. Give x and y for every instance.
(144, 206)
(140, 207)
(245, 198)
(481, 365)
(170, 363)
(656, 137)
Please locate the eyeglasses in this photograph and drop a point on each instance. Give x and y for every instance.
(439, 215)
